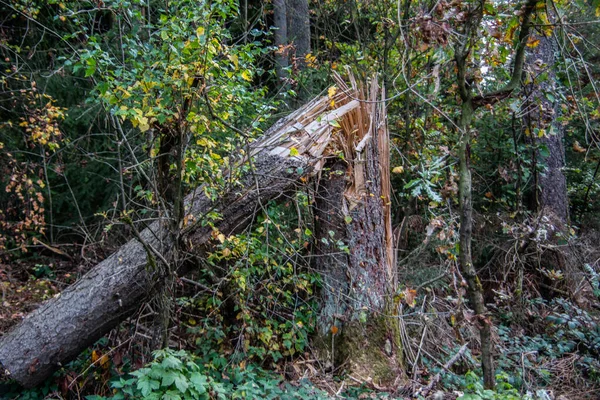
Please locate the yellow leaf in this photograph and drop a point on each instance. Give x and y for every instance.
(200, 31)
(104, 362)
(331, 91)
(95, 356)
(398, 170)
(144, 124)
(246, 75)
(532, 43)
(234, 59)
(221, 238)
(294, 152)
(541, 133)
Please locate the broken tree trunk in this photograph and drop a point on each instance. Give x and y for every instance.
(111, 292)
(355, 247)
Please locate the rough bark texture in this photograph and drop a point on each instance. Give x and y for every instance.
(355, 252)
(281, 37)
(541, 114)
(298, 23)
(65, 325)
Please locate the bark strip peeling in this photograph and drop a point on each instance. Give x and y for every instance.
(112, 291)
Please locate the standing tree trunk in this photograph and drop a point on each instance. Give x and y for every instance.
(355, 251)
(281, 38)
(540, 120)
(64, 326)
(298, 24)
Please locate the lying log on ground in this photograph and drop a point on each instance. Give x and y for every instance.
(112, 291)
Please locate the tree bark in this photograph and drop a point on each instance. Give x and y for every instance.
(298, 24)
(65, 325)
(355, 250)
(541, 115)
(281, 38)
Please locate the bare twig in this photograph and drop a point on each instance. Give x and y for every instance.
(425, 391)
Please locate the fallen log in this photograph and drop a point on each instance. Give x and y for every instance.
(112, 291)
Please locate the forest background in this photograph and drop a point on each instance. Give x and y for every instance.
(302, 199)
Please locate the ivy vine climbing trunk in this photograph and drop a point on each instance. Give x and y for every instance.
(354, 248)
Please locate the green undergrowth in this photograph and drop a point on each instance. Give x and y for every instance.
(177, 375)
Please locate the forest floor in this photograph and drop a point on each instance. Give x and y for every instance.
(549, 351)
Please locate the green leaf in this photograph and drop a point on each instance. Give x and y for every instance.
(171, 395)
(181, 383)
(91, 67)
(170, 362)
(294, 152)
(146, 385)
(334, 123)
(348, 219)
(168, 378)
(199, 382)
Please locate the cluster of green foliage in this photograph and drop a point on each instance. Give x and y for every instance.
(265, 307)
(181, 375)
(178, 375)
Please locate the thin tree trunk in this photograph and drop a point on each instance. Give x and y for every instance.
(462, 54)
(65, 325)
(474, 288)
